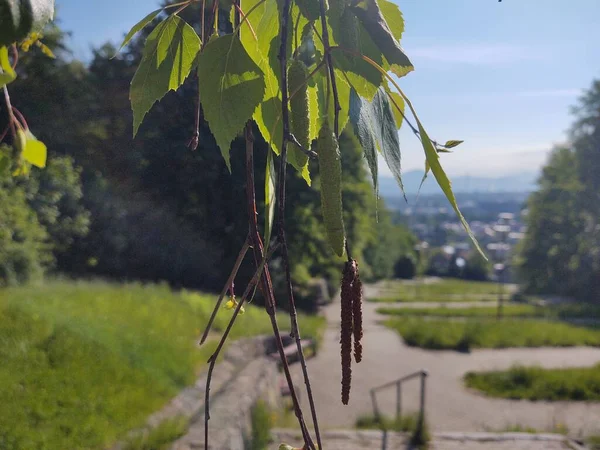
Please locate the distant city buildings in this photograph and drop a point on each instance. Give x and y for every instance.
(498, 231)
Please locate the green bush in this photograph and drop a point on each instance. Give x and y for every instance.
(488, 333)
(84, 362)
(536, 383)
(24, 247)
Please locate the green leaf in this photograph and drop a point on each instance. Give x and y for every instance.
(452, 144)
(167, 60)
(375, 125)
(268, 115)
(397, 103)
(138, 27)
(269, 196)
(370, 15)
(393, 17)
(361, 118)
(231, 88)
(433, 162)
(326, 106)
(7, 74)
(34, 152)
(354, 42)
(18, 18)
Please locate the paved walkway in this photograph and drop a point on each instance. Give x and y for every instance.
(449, 405)
(375, 440)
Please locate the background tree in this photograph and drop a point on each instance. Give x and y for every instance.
(561, 251)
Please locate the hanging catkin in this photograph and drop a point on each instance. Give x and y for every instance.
(357, 314)
(346, 328)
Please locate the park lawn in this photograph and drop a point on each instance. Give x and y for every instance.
(464, 335)
(516, 310)
(446, 286)
(84, 362)
(452, 298)
(447, 290)
(536, 383)
(485, 311)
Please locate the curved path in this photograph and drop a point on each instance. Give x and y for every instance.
(449, 405)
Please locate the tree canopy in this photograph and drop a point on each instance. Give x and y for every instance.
(561, 251)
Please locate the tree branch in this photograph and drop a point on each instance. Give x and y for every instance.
(234, 271)
(288, 137)
(213, 359)
(267, 285)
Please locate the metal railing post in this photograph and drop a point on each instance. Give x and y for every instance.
(374, 402)
(422, 403)
(398, 400)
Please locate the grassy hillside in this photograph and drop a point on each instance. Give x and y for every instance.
(83, 362)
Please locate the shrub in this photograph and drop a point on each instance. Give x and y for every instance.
(24, 248)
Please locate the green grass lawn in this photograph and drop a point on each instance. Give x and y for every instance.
(536, 383)
(489, 333)
(447, 290)
(487, 311)
(508, 310)
(83, 362)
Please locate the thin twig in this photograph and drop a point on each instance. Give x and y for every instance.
(21, 118)
(267, 285)
(287, 136)
(195, 139)
(202, 20)
(232, 275)
(292, 139)
(245, 18)
(173, 5)
(11, 115)
(238, 23)
(15, 52)
(213, 358)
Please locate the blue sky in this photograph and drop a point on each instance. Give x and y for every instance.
(501, 76)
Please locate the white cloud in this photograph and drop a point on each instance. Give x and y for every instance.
(478, 54)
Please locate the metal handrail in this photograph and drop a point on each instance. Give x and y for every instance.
(401, 380)
(398, 383)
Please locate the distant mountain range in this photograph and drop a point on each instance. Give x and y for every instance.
(522, 182)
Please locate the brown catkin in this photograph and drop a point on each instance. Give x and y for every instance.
(346, 329)
(357, 315)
